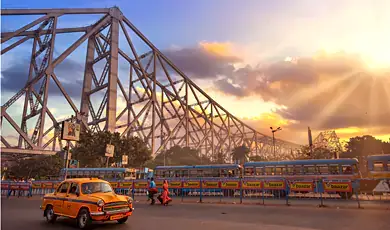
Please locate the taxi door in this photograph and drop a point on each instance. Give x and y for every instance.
(60, 197)
(72, 204)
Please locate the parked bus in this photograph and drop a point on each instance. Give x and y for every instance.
(378, 166)
(335, 169)
(198, 171)
(104, 173)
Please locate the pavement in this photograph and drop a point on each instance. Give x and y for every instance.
(24, 213)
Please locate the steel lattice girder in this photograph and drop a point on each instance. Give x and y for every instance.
(162, 105)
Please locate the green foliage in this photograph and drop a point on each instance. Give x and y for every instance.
(364, 146)
(240, 153)
(318, 153)
(38, 167)
(177, 155)
(257, 158)
(91, 149)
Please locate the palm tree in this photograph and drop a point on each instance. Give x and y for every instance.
(240, 154)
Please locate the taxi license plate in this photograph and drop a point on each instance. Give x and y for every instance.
(116, 217)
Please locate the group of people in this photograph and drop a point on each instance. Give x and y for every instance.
(163, 197)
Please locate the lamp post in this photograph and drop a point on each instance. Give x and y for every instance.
(273, 138)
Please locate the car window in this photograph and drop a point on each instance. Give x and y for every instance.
(74, 188)
(63, 188)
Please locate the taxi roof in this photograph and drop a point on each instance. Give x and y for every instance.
(82, 180)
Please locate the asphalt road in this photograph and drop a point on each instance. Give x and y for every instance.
(25, 214)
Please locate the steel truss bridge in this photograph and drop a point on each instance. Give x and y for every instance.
(155, 100)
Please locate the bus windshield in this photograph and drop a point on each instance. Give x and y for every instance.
(95, 187)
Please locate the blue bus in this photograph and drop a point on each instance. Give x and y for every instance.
(379, 166)
(109, 174)
(208, 172)
(330, 169)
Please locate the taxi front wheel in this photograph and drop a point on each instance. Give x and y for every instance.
(49, 214)
(84, 219)
(123, 220)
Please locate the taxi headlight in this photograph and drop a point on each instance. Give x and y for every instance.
(129, 200)
(100, 203)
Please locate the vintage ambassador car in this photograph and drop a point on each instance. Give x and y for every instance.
(86, 200)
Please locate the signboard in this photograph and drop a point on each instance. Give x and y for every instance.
(47, 185)
(114, 184)
(70, 131)
(125, 184)
(301, 186)
(36, 185)
(251, 184)
(230, 184)
(174, 184)
(141, 184)
(110, 150)
(159, 184)
(274, 185)
(191, 184)
(125, 159)
(210, 184)
(335, 186)
(4, 186)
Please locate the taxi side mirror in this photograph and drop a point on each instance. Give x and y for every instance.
(77, 193)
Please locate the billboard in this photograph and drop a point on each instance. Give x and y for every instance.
(70, 131)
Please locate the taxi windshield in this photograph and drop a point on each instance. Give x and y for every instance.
(95, 187)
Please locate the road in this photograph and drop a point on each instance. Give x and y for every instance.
(25, 214)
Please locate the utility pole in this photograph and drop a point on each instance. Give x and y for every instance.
(273, 139)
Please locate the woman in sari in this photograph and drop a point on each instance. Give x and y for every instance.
(164, 195)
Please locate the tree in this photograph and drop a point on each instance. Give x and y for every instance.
(362, 146)
(91, 148)
(240, 154)
(38, 167)
(220, 157)
(318, 153)
(257, 158)
(177, 155)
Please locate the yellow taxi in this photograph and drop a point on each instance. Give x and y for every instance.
(86, 200)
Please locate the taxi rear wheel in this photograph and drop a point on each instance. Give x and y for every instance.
(123, 220)
(83, 219)
(49, 214)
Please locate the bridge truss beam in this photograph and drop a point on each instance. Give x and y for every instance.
(162, 105)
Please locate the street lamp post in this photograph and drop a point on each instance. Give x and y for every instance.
(273, 139)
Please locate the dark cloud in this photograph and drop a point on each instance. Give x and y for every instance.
(69, 73)
(200, 63)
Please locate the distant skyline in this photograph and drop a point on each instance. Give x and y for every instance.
(294, 64)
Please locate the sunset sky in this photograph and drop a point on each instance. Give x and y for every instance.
(293, 64)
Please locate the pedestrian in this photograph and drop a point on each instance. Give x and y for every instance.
(152, 190)
(165, 194)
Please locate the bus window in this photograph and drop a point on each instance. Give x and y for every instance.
(208, 173)
(309, 169)
(177, 173)
(269, 170)
(249, 171)
(297, 170)
(224, 173)
(215, 172)
(347, 169)
(193, 173)
(259, 171)
(334, 169)
(388, 166)
(290, 170)
(378, 166)
(279, 170)
(323, 169)
(185, 173)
